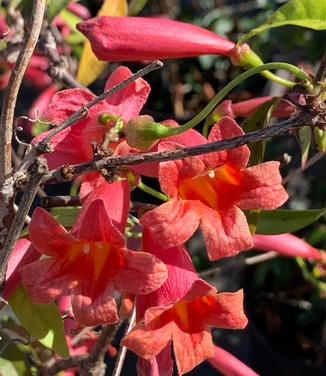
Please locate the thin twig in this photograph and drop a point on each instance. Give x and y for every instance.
(123, 350)
(11, 93)
(60, 201)
(321, 70)
(37, 171)
(43, 145)
(308, 164)
(57, 68)
(240, 263)
(61, 365)
(94, 364)
(7, 119)
(68, 172)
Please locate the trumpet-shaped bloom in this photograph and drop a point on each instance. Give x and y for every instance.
(179, 311)
(211, 191)
(88, 264)
(141, 38)
(74, 144)
(185, 323)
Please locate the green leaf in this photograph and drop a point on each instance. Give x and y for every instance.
(55, 7)
(306, 13)
(258, 120)
(42, 321)
(305, 142)
(66, 216)
(13, 358)
(272, 222)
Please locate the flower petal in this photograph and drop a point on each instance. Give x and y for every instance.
(262, 187)
(94, 307)
(228, 312)
(66, 102)
(22, 254)
(47, 235)
(172, 223)
(148, 340)
(226, 233)
(199, 288)
(172, 173)
(227, 128)
(143, 273)
(190, 349)
(94, 224)
(115, 197)
(128, 101)
(160, 365)
(44, 280)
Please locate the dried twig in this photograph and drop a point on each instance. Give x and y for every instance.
(37, 170)
(68, 172)
(94, 364)
(62, 364)
(308, 164)
(57, 68)
(7, 118)
(11, 93)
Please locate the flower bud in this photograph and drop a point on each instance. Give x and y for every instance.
(142, 132)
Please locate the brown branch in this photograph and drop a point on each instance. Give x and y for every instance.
(7, 119)
(60, 201)
(61, 365)
(11, 93)
(58, 69)
(67, 173)
(94, 365)
(37, 170)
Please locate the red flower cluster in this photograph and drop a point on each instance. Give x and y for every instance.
(91, 264)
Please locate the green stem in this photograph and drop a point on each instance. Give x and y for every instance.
(152, 192)
(279, 80)
(230, 86)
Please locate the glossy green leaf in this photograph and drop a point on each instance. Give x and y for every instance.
(306, 13)
(66, 216)
(42, 321)
(272, 222)
(258, 120)
(55, 7)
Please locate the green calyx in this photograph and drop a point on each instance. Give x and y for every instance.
(142, 132)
